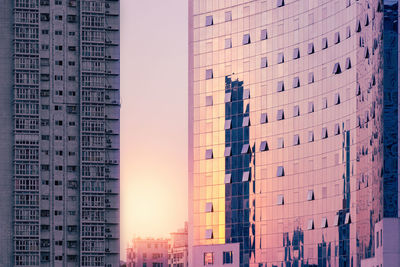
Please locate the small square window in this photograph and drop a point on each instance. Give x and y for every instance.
(311, 136)
(296, 82)
(246, 176)
(209, 100)
(227, 257)
(296, 140)
(337, 38)
(263, 146)
(281, 58)
(366, 52)
(246, 121)
(245, 149)
(264, 118)
(337, 129)
(209, 20)
(358, 26)
(324, 43)
(228, 178)
(336, 100)
(324, 103)
(348, 63)
(310, 195)
(280, 3)
(264, 34)
(280, 171)
(280, 87)
(228, 152)
(246, 39)
(264, 62)
(324, 133)
(310, 49)
(228, 16)
(310, 77)
(209, 207)
(209, 154)
(280, 200)
(209, 234)
(336, 220)
(228, 43)
(310, 107)
(296, 53)
(228, 97)
(324, 222)
(358, 90)
(246, 93)
(281, 143)
(209, 74)
(366, 20)
(296, 111)
(310, 225)
(280, 115)
(348, 32)
(337, 69)
(228, 124)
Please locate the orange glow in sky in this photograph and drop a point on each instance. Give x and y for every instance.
(153, 118)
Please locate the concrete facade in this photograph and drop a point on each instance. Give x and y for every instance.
(59, 113)
(147, 252)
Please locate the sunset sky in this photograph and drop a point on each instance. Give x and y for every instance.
(153, 118)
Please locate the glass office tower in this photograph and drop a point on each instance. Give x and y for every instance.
(293, 133)
(59, 139)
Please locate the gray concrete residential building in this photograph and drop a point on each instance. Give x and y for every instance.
(59, 134)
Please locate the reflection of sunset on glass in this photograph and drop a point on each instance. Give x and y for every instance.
(154, 118)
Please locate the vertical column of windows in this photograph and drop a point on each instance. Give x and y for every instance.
(26, 133)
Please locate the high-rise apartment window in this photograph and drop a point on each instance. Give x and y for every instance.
(263, 146)
(264, 34)
(336, 100)
(280, 3)
(228, 178)
(228, 152)
(324, 133)
(245, 149)
(228, 43)
(310, 107)
(58, 2)
(228, 97)
(58, 17)
(58, 32)
(209, 74)
(227, 257)
(209, 234)
(281, 143)
(280, 115)
(281, 58)
(246, 176)
(264, 62)
(337, 38)
(246, 94)
(208, 258)
(324, 222)
(228, 124)
(296, 111)
(310, 195)
(310, 49)
(246, 121)
(324, 43)
(45, 32)
(280, 200)
(310, 77)
(246, 39)
(296, 53)
(296, 82)
(209, 100)
(280, 171)
(337, 69)
(348, 32)
(228, 16)
(209, 20)
(264, 118)
(358, 26)
(296, 140)
(209, 154)
(348, 63)
(310, 225)
(209, 207)
(337, 129)
(280, 87)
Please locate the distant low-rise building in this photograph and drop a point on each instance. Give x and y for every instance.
(178, 248)
(147, 252)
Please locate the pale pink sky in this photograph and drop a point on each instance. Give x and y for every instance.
(153, 118)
